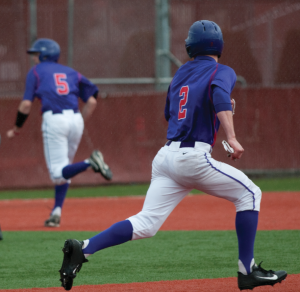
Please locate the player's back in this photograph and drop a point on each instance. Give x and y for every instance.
(191, 110)
(56, 85)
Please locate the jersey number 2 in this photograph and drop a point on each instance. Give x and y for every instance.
(62, 86)
(184, 91)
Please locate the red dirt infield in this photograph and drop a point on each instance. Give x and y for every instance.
(279, 211)
(202, 285)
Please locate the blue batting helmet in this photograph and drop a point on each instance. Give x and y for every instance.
(204, 38)
(49, 49)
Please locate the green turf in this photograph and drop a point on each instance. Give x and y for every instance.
(267, 185)
(32, 259)
(80, 192)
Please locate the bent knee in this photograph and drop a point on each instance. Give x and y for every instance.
(258, 196)
(144, 226)
(60, 181)
(250, 200)
(144, 233)
(56, 175)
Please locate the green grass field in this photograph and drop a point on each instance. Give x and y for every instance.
(32, 259)
(267, 185)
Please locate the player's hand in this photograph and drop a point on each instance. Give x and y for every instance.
(233, 104)
(237, 147)
(12, 132)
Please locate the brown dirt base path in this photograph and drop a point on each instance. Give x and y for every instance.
(279, 211)
(203, 285)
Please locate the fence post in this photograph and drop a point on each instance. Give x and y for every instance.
(70, 31)
(32, 21)
(162, 42)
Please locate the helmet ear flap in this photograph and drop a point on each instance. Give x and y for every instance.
(188, 50)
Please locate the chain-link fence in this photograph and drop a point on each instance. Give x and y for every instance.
(118, 39)
(117, 43)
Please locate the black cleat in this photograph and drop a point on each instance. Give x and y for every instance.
(53, 221)
(98, 165)
(260, 277)
(72, 262)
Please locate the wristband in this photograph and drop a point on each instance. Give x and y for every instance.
(21, 118)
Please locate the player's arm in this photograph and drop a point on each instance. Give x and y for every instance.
(89, 107)
(25, 105)
(88, 93)
(223, 108)
(22, 114)
(226, 121)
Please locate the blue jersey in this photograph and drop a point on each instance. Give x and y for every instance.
(57, 86)
(190, 106)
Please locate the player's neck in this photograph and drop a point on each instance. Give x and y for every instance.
(214, 57)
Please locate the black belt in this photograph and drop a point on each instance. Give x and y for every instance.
(61, 111)
(183, 144)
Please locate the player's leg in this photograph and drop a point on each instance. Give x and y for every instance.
(59, 198)
(162, 197)
(95, 161)
(55, 130)
(76, 126)
(227, 182)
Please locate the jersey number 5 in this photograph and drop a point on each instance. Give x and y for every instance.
(62, 86)
(184, 91)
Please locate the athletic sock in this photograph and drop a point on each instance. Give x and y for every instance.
(246, 225)
(56, 211)
(116, 234)
(60, 194)
(75, 168)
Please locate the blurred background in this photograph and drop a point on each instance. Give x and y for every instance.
(131, 49)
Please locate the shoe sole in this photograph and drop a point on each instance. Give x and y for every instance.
(251, 287)
(51, 225)
(98, 158)
(67, 280)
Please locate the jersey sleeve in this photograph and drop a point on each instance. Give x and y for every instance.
(221, 99)
(86, 88)
(31, 85)
(167, 107)
(225, 78)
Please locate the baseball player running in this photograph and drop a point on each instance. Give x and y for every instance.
(58, 87)
(198, 100)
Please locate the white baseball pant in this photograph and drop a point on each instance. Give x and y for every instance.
(176, 171)
(61, 135)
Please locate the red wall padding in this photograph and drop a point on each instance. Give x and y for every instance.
(129, 130)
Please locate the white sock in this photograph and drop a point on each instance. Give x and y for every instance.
(85, 244)
(242, 268)
(56, 211)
